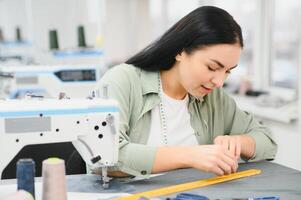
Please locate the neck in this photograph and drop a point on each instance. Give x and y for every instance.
(171, 84)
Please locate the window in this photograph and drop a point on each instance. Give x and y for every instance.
(286, 45)
(165, 13)
(270, 55)
(176, 9)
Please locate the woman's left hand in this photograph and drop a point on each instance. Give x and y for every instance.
(231, 143)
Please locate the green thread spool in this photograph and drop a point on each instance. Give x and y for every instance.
(81, 36)
(1, 35)
(53, 40)
(18, 34)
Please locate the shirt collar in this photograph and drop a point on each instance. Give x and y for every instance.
(197, 99)
(150, 82)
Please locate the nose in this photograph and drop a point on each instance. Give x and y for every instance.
(218, 79)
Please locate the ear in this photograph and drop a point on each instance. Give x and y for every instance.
(179, 56)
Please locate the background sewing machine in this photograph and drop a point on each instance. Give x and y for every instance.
(26, 126)
(48, 81)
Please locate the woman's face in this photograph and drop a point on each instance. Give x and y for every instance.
(206, 69)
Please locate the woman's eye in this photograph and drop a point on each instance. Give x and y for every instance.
(210, 68)
(228, 72)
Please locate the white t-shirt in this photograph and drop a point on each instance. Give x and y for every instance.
(179, 130)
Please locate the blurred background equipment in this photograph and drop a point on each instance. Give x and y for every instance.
(48, 81)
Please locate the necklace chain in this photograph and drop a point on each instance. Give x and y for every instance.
(162, 113)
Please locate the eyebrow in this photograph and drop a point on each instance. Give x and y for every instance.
(221, 65)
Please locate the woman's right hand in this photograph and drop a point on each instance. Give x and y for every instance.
(212, 158)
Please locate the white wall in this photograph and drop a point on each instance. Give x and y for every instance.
(126, 28)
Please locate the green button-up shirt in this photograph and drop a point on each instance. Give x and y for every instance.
(137, 92)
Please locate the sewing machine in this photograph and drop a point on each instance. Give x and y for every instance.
(90, 124)
(47, 81)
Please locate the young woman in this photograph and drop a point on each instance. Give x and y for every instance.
(173, 111)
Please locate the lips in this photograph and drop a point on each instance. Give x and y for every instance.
(206, 89)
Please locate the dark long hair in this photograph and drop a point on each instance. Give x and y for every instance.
(205, 26)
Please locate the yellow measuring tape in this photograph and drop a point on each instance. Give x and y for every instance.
(191, 185)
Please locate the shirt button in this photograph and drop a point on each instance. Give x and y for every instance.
(143, 172)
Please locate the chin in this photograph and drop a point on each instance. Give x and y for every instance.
(198, 95)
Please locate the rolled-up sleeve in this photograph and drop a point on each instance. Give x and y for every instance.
(241, 122)
(137, 159)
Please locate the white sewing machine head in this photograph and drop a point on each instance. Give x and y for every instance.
(48, 81)
(90, 124)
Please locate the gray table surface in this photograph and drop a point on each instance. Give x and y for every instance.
(275, 180)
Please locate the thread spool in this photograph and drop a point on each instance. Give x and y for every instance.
(25, 175)
(53, 40)
(18, 34)
(81, 40)
(54, 180)
(19, 195)
(1, 35)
